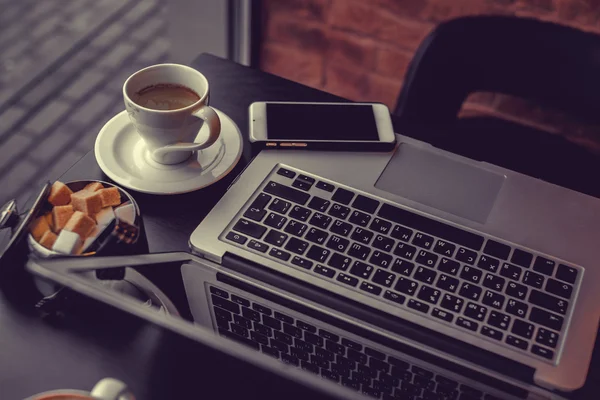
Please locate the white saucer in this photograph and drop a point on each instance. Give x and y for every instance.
(122, 155)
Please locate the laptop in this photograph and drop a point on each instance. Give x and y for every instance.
(306, 348)
(484, 267)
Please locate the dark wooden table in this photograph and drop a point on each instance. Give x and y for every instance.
(75, 353)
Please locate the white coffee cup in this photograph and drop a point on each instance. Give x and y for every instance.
(170, 134)
(106, 389)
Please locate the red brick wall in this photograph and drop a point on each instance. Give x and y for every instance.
(360, 49)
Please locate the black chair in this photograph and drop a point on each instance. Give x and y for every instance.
(550, 64)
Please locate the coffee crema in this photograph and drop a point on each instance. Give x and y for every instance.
(166, 96)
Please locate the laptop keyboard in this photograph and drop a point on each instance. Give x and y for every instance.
(333, 357)
(480, 285)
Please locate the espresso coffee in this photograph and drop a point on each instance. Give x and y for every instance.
(165, 96)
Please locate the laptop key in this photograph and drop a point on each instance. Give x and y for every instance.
(494, 282)
(292, 331)
(442, 314)
(516, 290)
(475, 311)
(406, 286)
(470, 291)
(516, 342)
(339, 211)
(488, 263)
(295, 228)
(495, 249)
(280, 254)
(239, 339)
(361, 270)
(275, 238)
(370, 288)
(426, 258)
(422, 240)
(268, 350)
(405, 250)
(251, 314)
(301, 262)
(265, 330)
(493, 299)
(301, 184)
(381, 259)
(321, 270)
(401, 233)
(449, 266)
(271, 322)
(403, 267)
(337, 243)
(499, 320)
(347, 279)
(362, 235)
(260, 338)
(466, 256)
(324, 354)
(446, 382)
(253, 244)
(467, 324)
(395, 297)
(549, 302)
(517, 308)
(241, 321)
(279, 206)
(339, 261)
(359, 218)
(383, 243)
(444, 248)
(296, 246)
(559, 288)
(522, 258)
(317, 253)
(533, 279)
(359, 251)
(543, 352)
(365, 204)
(425, 275)
(219, 292)
(328, 187)
(255, 214)
(236, 237)
(447, 283)
(417, 305)
(283, 317)
(452, 303)
(275, 220)
(308, 366)
(522, 328)
(316, 235)
(511, 271)
(249, 228)
(381, 226)
(566, 273)
(289, 359)
(299, 213)
(546, 318)
(340, 227)
(546, 337)
(383, 278)
(471, 274)
(319, 204)
(320, 220)
(239, 330)
(429, 294)
(342, 196)
(287, 192)
(286, 172)
(544, 266)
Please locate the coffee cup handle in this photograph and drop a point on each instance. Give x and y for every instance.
(111, 389)
(211, 119)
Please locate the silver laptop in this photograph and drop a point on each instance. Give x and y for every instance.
(489, 268)
(316, 351)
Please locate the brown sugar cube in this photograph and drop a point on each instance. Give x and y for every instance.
(87, 202)
(60, 194)
(50, 220)
(39, 227)
(110, 197)
(60, 215)
(80, 224)
(93, 187)
(48, 239)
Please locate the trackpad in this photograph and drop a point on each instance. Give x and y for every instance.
(437, 181)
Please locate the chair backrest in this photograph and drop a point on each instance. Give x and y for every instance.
(550, 64)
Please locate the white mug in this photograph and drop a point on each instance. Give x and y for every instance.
(106, 389)
(169, 134)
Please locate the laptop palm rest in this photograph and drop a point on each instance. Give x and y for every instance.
(438, 181)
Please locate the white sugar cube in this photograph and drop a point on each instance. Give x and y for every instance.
(126, 213)
(67, 242)
(90, 239)
(105, 216)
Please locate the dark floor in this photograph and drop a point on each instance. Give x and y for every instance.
(62, 65)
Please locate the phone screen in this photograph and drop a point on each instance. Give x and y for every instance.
(321, 122)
